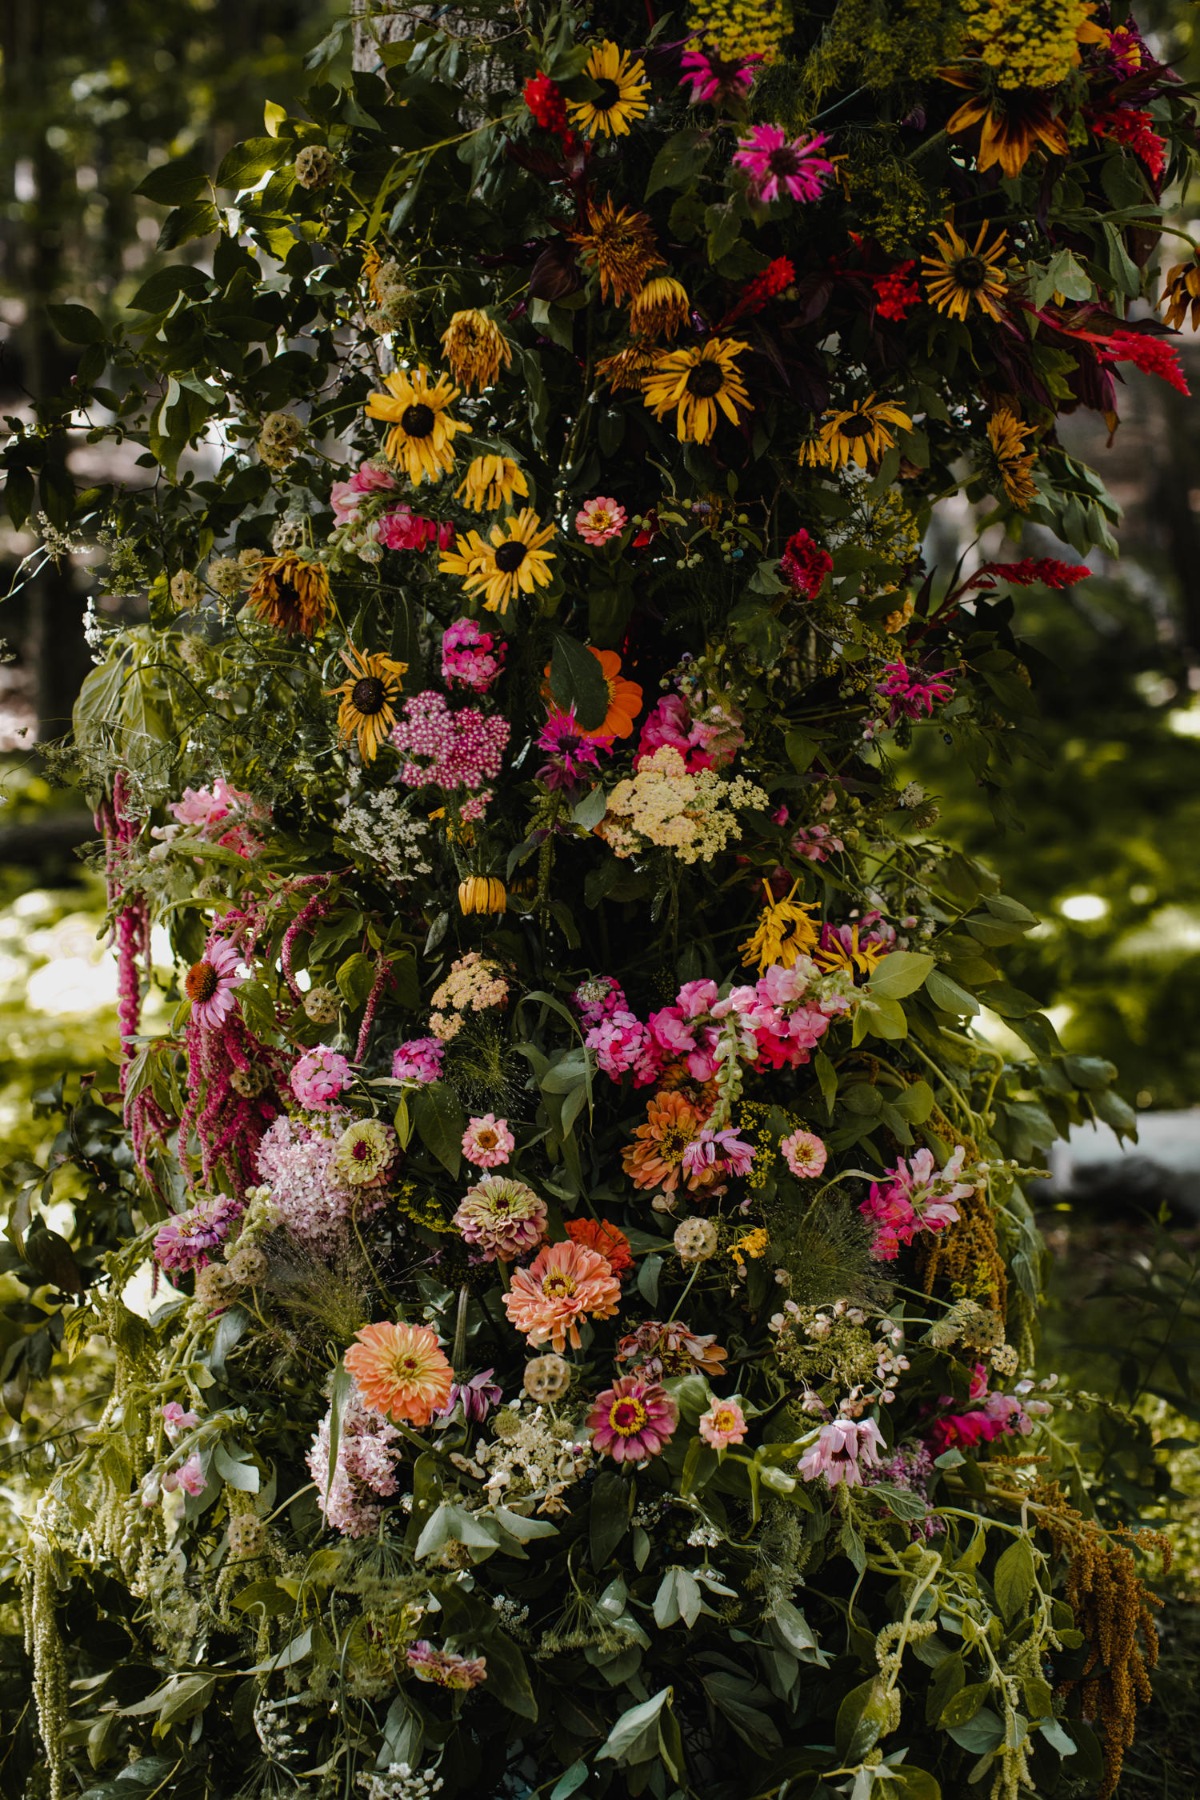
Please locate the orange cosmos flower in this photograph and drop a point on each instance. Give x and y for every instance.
(609, 1241)
(400, 1371)
(562, 1285)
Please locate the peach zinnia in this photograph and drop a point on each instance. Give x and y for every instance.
(656, 1159)
(400, 1371)
(564, 1284)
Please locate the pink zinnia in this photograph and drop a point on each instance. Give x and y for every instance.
(209, 983)
(773, 160)
(843, 1449)
(319, 1077)
(501, 1218)
(565, 1284)
(487, 1142)
(600, 519)
(724, 1423)
(805, 1154)
(186, 1239)
(632, 1419)
(471, 657)
(419, 1059)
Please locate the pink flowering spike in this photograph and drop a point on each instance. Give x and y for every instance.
(368, 1452)
(618, 1043)
(773, 162)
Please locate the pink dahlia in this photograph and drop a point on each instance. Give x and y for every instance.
(487, 1142)
(632, 1420)
(565, 1284)
(445, 1667)
(600, 519)
(724, 1423)
(501, 1218)
(844, 1448)
(184, 1241)
(419, 1059)
(319, 1077)
(209, 984)
(773, 160)
(805, 1154)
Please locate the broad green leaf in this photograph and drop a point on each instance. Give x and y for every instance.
(175, 183)
(901, 973)
(576, 679)
(680, 160)
(1014, 1578)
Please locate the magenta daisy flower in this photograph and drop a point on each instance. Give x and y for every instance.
(632, 1419)
(209, 983)
(773, 162)
(572, 751)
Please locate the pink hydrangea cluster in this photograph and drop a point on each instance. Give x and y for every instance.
(471, 657)
(913, 694)
(449, 749)
(346, 497)
(319, 1077)
(186, 1240)
(916, 1197)
(364, 1472)
(297, 1166)
(995, 1415)
(419, 1059)
(710, 743)
(403, 529)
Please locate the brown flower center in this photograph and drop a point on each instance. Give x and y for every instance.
(510, 556)
(200, 982)
(608, 96)
(858, 425)
(704, 380)
(970, 272)
(417, 420)
(783, 161)
(368, 695)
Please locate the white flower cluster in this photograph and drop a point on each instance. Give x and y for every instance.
(529, 1454)
(381, 827)
(400, 1781)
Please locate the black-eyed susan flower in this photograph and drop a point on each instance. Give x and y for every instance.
(1181, 295)
(964, 275)
(858, 434)
(1011, 123)
(627, 368)
(784, 932)
(421, 441)
(512, 561)
(367, 709)
(698, 384)
(476, 349)
(619, 245)
(1011, 462)
(660, 308)
(490, 483)
(621, 79)
(291, 594)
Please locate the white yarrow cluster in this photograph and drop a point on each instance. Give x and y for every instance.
(382, 825)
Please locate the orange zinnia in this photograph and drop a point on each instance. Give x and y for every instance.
(562, 1285)
(400, 1371)
(608, 1241)
(624, 698)
(656, 1159)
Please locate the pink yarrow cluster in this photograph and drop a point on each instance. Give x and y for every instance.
(471, 657)
(364, 1473)
(916, 1197)
(452, 750)
(319, 1077)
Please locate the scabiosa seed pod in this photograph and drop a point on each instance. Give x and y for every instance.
(313, 167)
(321, 1005)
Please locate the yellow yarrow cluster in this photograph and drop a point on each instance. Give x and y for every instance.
(1028, 43)
(739, 27)
(694, 816)
(473, 984)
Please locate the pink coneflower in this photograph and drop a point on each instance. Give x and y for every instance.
(445, 1667)
(487, 1142)
(600, 519)
(184, 1241)
(805, 1154)
(572, 751)
(913, 695)
(319, 1077)
(209, 984)
(773, 160)
(632, 1420)
(565, 1284)
(501, 1218)
(714, 80)
(724, 1423)
(844, 1448)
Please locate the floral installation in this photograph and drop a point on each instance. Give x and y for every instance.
(591, 1344)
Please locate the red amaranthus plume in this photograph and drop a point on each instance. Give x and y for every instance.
(1046, 570)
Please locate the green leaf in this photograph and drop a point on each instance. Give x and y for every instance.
(948, 997)
(77, 324)
(947, 1680)
(679, 161)
(508, 1676)
(861, 1721)
(246, 164)
(174, 183)
(440, 1122)
(635, 1736)
(608, 1515)
(355, 979)
(827, 1076)
(963, 1705)
(576, 679)
(574, 1777)
(1014, 1578)
(901, 973)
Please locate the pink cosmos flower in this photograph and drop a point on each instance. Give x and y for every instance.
(419, 1059)
(724, 1423)
(723, 1151)
(189, 1477)
(600, 519)
(715, 81)
(805, 1154)
(471, 657)
(773, 160)
(572, 752)
(918, 1197)
(185, 1240)
(319, 1077)
(445, 1667)
(913, 696)
(632, 1420)
(844, 1448)
(176, 1420)
(487, 1142)
(804, 565)
(209, 983)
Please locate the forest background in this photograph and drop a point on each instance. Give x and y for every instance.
(1107, 848)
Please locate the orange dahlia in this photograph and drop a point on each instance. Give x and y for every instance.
(564, 1284)
(608, 1241)
(656, 1159)
(400, 1371)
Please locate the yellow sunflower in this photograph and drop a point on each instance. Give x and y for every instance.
(476, 349)
(628, 368)
(660, 308)
(368, 699)
(963, 275)
(291, 594)
(858, 434)
(513, 562)
(621, 79)
(696, 382)
(783, 934)
(421, 441)
(1011, 125)
(490, 483)
(1012, 462)
(619, 245)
